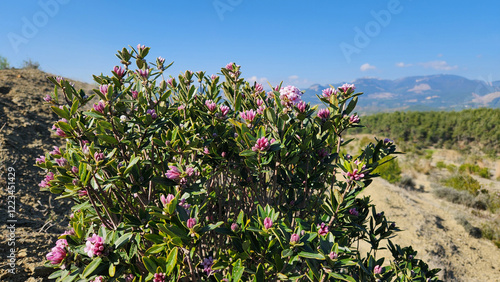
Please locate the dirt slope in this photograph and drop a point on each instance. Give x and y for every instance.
(25, 121)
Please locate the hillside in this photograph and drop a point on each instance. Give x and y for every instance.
(432, 92)
(25, 123)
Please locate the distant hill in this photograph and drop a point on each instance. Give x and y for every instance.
(432, 92)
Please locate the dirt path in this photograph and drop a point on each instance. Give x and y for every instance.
(429, 225)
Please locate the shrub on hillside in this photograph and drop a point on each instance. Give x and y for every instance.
(4, 63)
(211, 178)
(29, 64)
(389, 170)
(463, 182)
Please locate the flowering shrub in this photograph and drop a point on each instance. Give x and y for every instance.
(210, 178)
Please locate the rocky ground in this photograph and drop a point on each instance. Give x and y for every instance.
(429, 224)
(25, 122)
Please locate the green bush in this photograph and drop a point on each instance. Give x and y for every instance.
(474, 169)
(4, 64)
(463, 182)
(389, 170)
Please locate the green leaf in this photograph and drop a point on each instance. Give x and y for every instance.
(171, 260)
(131, 165)
(149, 264)
(238, 269)
(309, 255)
(74, 107)
(107, 138)
(247, 153)
(91, 267)
(112, 270)
(93, 115)
(259, 274)
(60, 112)
(155, 249)
(341, 277)
(286, 253)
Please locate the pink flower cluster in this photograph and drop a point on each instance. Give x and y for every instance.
(99, 107)
(347, 88)
(353, 211)
(207, 265)
(167, 200)
(261, 145)
(290, 95)
(211, 105)
(46, 182)
(268, 223)
(354, 119)
(377, 269)
(94, 246)
(327, 93)
(322, 229)
(324, 114)
(58, 253)
(357, 173)
(159, 277)
(248, 116)
(119, 71)
(190, 223)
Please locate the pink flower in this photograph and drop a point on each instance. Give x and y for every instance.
(211, 105)
(144, 73)
(55, 152)
(85, 150)
(40, 160)
(99, 107)
(267, 223)
(261, 145)
(82, 193)
(94, 246)
(119, 71)
(294, 238)
(353, 211)
(377, 269)
(49, 176)
(56, 255)
(223, 154)
(173, 173)
(356, 174)
(98, 279)
(152, 112)
(104, 89)
(74, 169)
(259, 88)
(60, 132)
(190, 223)
(167, 200)
(354, 119)
(224, 110)
(322, 229)
(324, 114)
(170, 82)
(189, 171)
(47, 98)
(301, 106)
(388, 141)
(98, 156)
(290, 95)
(159, 277)
(322, 153)
(44, 184)
(261, 110)
(248, 116)
(333, 255)
(234, 227)
(59, 79)
(230, 66)
(347, 88)
(62, 162)
(135, 94)
(260, 102)
(329, 92)
(206, 151)
(213, 77)
(207, 265)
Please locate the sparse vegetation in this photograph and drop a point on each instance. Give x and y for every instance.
(30, 64)
(473, 231)
(389, 171)
(474, 169)
(463, 182)
(4, 63)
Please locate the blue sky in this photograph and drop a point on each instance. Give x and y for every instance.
(299, 42)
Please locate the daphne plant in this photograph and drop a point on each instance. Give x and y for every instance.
(211, 178)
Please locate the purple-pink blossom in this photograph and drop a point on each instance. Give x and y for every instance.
(143, 72)
(135, 94)
(159, 277)
(211, 105)
(189, 171)
(259, 88)
(119, 71)
(190, 223)
(167, 200)
(353, 211)
(290, 95)
(377, 269)
(354, 119)
(261, 145)
(301, 106)
(55, 152)
(347, 88)
(234, 227)
(57, 254)
(170, 82)
(268, 223)
(294, 238)
(324, 114)
(62, 162)
(40, 160)
(356, 174)
(47, 98)
(329, 92)
(99, 107)
(173, 173)
(207, 265)
(74, 169)
(213, 77)
(94, 246)
(333, 255)
(248, 116)
(140, 47)
(60, 132)
(104, 89)
(224, 110)
(98, 156)
(322, 229)
(152, 113)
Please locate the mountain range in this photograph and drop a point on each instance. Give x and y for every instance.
(422, 93)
